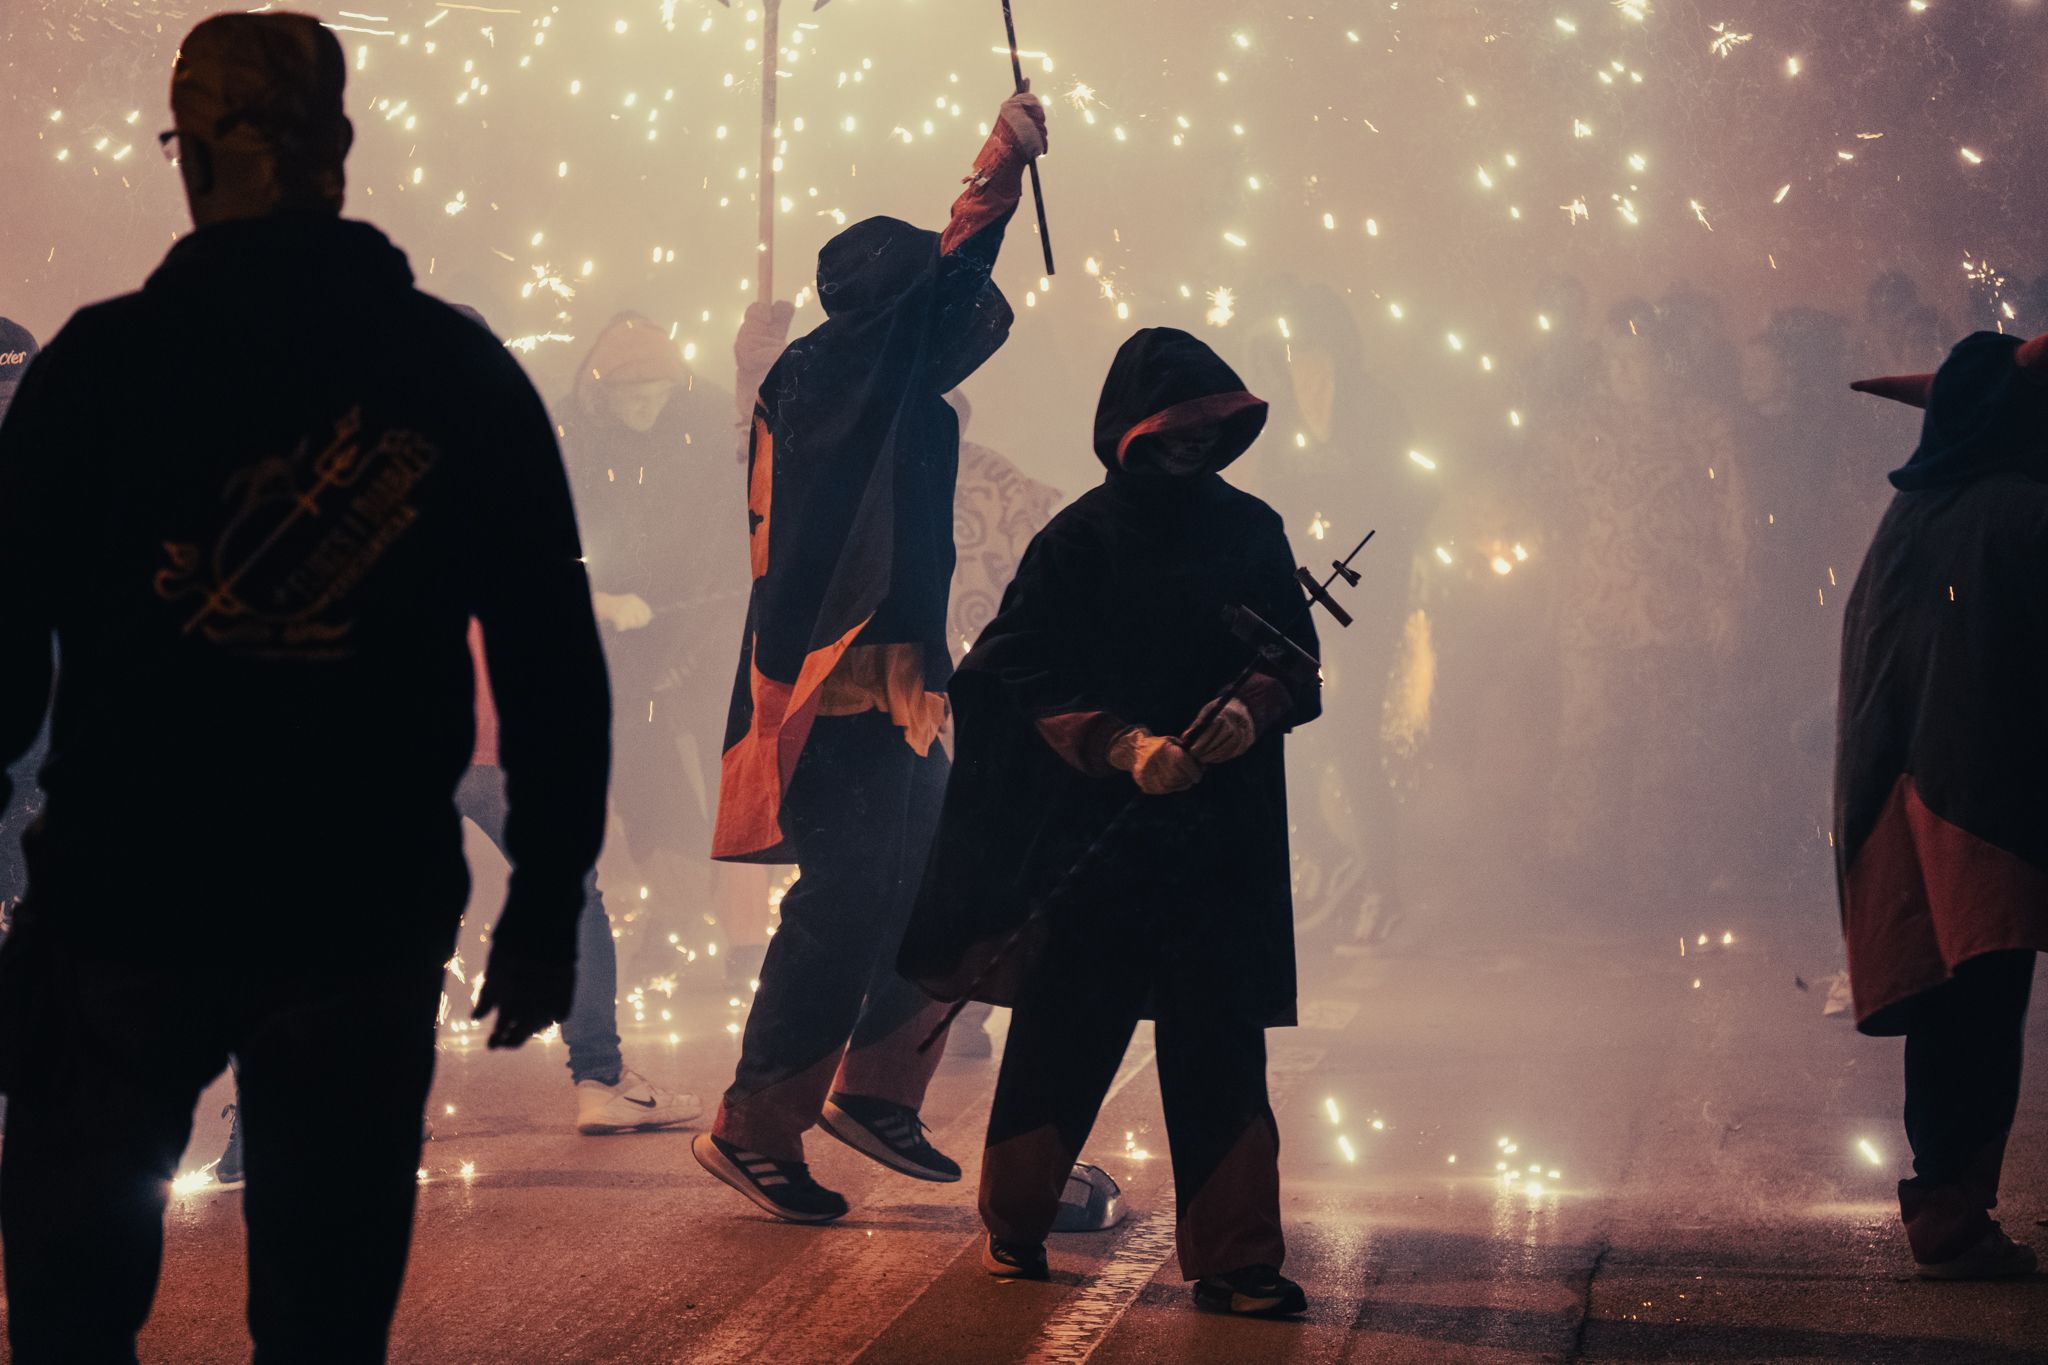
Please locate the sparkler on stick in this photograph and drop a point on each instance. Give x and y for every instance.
(771, 48)
(1037, 190)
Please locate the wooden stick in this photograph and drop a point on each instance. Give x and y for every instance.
(1037, 190)
(771, 43)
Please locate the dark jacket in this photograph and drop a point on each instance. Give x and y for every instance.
(1115, 618)
(850, 492)
(1941, 774)
(257, 504)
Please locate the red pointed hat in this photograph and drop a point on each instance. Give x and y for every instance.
(1916, 390)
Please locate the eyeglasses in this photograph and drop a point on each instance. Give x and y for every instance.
(167, 140)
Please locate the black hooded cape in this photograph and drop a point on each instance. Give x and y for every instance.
(1941, 776)
(1117, 609)
(850, 495)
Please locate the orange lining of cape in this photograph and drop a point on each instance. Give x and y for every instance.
(754, 774)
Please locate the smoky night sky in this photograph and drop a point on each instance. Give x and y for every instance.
(1445, 159)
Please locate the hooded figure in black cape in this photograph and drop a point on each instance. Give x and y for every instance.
(1941, 782)
(1109, 644)
(831, 759)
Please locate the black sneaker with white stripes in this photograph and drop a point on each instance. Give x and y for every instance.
(1014, 1260)
(891, 1133)
(783, 1188)
(1258, 1291)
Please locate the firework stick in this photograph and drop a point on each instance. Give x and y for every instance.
(771, 41)
(1037, 190)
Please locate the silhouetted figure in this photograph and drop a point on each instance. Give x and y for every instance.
(1807, 452)
(1902, 328)
(1941, 813)
(1110, 642)
(611, 1097)
(1649, 548)
(259, 567)
(646, 443)
(832, 757)
(1338, 466)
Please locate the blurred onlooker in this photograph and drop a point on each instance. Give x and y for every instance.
(1903, 329)
(1337, 465)
(1651, 566)
(997, 508)
(1812, 512)
(258, 569)
(647, 445)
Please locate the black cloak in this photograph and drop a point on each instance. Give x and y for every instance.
(1117, 611)
(1941, 776)
(850, 495)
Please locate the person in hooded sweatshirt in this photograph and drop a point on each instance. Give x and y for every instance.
(259, 570)
(1080, 698)
(1941, 810)
(832, 758)
(644, 438)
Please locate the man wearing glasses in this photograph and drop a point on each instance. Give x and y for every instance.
(259, 568)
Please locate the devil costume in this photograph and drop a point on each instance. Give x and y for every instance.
(1941, 812)
(1115, 621)
(831, 758)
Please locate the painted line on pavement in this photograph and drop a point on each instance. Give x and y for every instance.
(833, 1303)
(1072, 1335)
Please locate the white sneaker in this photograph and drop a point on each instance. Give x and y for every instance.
(634, 1104)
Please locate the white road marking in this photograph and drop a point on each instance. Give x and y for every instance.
(1071, 1336)
(833, 1304)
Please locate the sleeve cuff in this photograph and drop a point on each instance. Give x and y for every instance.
(1269, 701)
(994, 189)
(1083, 739)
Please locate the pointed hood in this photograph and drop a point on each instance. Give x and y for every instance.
(1163, 381)
(1986, 412)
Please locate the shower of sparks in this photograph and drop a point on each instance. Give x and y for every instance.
(1726, 40)
(1222, 307)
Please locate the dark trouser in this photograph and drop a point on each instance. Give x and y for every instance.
(1963, 1053)
(1073, 1021)
(832, 1015)
(592, 1029)
(335, 1071)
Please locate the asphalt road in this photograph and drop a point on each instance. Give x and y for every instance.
(1692, 1186)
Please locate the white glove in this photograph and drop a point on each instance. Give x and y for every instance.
(1227, 735)
(627, 611)
(1159, 766)
(1024, 115)
(761, 339)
